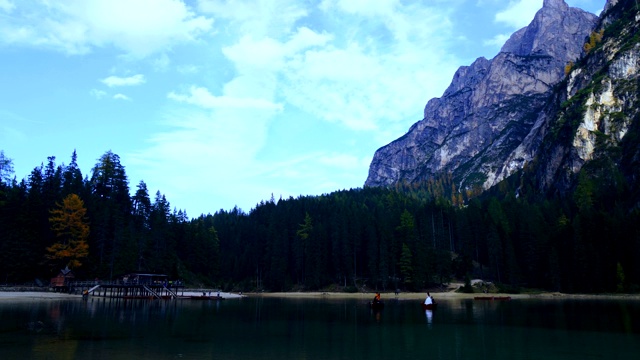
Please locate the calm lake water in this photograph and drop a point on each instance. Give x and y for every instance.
(268, 328)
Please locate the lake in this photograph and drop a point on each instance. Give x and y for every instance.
(319, 328)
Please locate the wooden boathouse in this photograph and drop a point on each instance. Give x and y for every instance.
(132, 286)
(62, 281)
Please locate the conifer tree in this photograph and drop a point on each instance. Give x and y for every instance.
(303, 233)
(406, 266)
(110, 210)
(69, 224)
(6, 168)
(72, 182)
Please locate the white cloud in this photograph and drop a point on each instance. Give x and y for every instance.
(6, 6)
(344, 75)
(251, 54)
(257, 17)
(201, 97)
(361, 7)
(121, 97)
(137, 27)
(268, 54)
(519, 14)
(98, 94)
(114, 81)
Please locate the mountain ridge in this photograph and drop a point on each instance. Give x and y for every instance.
(596, 123)
(476, 130)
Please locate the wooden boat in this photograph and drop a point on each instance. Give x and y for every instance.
(499, 298)
(431, 306)
(376, 305)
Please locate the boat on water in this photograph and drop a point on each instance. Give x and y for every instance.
(431, 306)
(499, 298)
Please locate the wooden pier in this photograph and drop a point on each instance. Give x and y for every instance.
(133, 286)
(134, 291)
(130, 286)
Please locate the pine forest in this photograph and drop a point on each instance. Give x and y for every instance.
(407, 237)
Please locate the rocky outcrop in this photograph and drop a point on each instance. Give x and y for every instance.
(489, 122)
(600, 104)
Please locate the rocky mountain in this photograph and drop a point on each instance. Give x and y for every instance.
(592, 127)
(491, 120)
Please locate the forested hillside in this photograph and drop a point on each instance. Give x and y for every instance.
(408, 237)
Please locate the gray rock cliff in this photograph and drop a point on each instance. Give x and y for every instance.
(597, 107)
(487, 124)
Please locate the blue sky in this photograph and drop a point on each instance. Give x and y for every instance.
(223, 103)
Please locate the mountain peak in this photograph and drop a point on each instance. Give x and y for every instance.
(554, 31)
(555, 4)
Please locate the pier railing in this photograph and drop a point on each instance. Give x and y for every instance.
(126, 289)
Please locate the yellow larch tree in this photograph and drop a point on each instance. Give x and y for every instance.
(69, 224)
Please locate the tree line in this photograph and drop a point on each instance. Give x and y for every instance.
(408, 237)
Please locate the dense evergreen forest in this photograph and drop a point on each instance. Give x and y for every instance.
(409, 237)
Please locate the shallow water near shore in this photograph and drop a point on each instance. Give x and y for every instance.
(319, 328)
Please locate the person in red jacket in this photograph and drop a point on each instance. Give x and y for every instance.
(376, 299)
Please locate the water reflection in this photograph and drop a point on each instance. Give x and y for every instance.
(267, 328)
(429, 315)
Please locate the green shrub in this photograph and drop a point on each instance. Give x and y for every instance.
(508, 289)
(350, 289)
(467, 288)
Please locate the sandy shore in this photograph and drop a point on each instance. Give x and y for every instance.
(383, 295)
(442, 295)
(36, 295)
(223, 295)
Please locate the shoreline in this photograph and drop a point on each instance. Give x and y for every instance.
(408, 296)
(50, 295)
(442, 295)
(36, 295)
